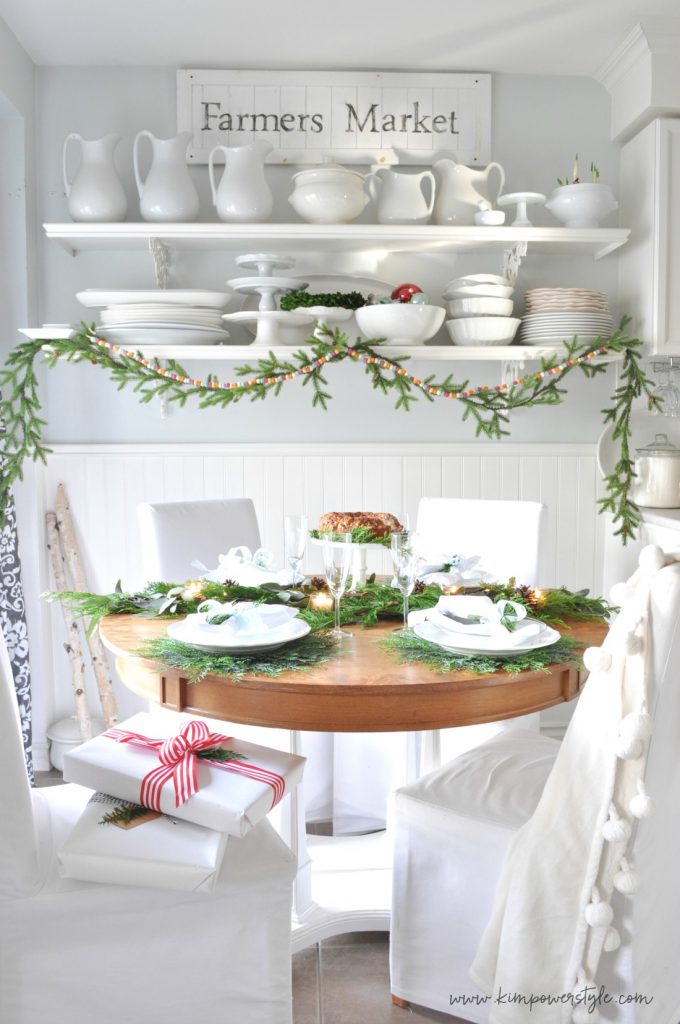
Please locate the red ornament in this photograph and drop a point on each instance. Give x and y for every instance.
(405, 292)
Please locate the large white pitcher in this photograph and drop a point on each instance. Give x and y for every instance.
(243, 195)
(460, 189)
(96, 193)
(168, 194)
(400, 196)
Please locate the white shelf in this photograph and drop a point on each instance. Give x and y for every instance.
(422, 353)
(596, 242)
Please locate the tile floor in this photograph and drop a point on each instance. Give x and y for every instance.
(346, 980)
(343, 980)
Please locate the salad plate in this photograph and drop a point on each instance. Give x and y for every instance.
(462, 643)
(207, 638)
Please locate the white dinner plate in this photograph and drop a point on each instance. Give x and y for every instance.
(187, 634)
(643, 427)
(163, 334)
(462, 643)
(94, 297)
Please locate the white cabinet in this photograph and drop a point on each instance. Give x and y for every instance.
(649, 266)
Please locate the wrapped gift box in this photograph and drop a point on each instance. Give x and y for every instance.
(225, 801)
(164, 853)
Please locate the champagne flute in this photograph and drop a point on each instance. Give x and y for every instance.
(405, 564)
(337, 558)
(295, 539)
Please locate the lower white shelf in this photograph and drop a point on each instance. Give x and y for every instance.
(422, 353)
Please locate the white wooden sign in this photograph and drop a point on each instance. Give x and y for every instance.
(354, 117)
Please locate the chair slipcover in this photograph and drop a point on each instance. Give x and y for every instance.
(76, 952)
(506, 535)
(551, 929)
(176, 533)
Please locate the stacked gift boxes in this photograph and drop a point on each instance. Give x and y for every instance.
(206, 786)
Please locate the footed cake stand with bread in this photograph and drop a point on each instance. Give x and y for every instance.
(378, 526)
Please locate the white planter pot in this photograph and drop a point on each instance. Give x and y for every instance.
(584, 205)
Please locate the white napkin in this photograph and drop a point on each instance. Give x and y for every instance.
(464, 572)
(248, 568)
(489, 627)
(246, 620)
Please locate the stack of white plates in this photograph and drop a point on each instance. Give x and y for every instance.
(558, 300)
(168, 316)
(480, 307)
(552, 328)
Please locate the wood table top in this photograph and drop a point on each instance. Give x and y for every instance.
(363, 689)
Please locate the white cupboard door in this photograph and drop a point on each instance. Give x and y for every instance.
(649, 267)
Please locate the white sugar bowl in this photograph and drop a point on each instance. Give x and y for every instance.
(328, 194)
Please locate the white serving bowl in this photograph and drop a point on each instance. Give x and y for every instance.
(400, 323)
(473, 279)
(483, 330)
(479, 307)
(478, 291)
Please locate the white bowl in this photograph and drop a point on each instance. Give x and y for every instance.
(400, 323)
(479, 307)
(473, 279)
(583, 205)
(478, 291)
(483, 330)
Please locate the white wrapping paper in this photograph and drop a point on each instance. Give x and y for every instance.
(163, 854)
(225, 801)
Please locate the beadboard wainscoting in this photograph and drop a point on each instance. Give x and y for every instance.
(105, 483)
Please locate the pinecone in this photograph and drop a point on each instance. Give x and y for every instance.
(419, 587)
(318, 583)
(526, 593)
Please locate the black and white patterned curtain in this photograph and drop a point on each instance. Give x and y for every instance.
(13, 625)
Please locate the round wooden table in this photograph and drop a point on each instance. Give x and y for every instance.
(343, 883)
(363, 689)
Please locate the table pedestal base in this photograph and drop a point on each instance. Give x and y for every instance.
(351, 888)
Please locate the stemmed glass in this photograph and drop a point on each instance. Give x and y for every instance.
(295, 540)
(405, 562)
(337, 558)
(667, 391)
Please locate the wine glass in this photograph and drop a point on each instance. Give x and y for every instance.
(667, 392)
(295, 540)
(337, 558)
(405, 562)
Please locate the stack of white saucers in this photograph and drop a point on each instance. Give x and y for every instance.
(553, 315)
(167, 316)
(480, 307)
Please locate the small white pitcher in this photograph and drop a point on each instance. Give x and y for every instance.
(96, 193)
(400, 195)
(168, 194)
(243, 195)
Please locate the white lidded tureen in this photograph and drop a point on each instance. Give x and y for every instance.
(328, 194)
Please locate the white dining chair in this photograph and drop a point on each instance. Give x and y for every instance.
(176, 533)
(74, 952)
(507, 536)
(530, 866)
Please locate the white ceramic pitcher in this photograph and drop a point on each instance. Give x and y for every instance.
(460, 189)
(168, 194)
(400, 195)
(243, 195)
(96, 193)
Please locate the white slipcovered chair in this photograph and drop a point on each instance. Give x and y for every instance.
(522, 858)
(506, 535)
(75, 952)
(176, 533)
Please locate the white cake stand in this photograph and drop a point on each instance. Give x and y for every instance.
(269, 322)
(521, 200)
(326, 317)
(268, 288)
(265, 263)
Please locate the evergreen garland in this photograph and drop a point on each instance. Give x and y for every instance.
(488, 407)
(409, 647)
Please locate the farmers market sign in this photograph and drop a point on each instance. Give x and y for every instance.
(357, 117)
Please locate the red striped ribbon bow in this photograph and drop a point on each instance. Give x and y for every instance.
(179, 763)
